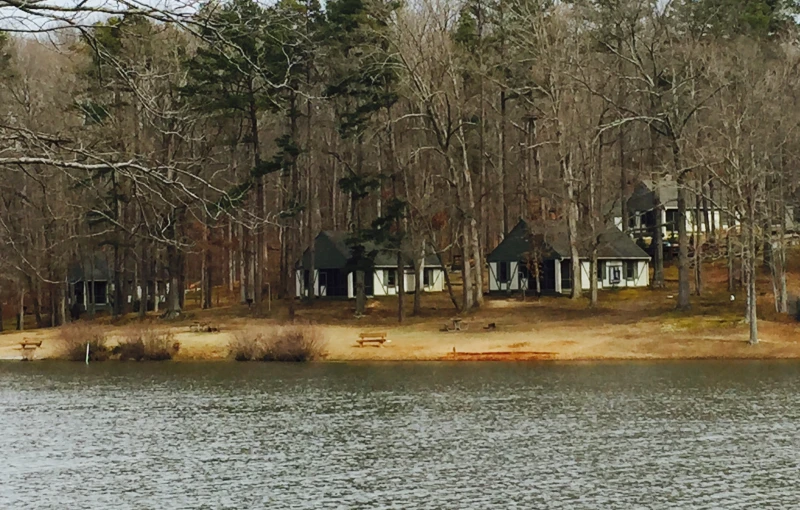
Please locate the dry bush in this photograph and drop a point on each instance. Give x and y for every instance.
(74, 337)
(247, 344)
(147, 342)
(295, 343)
(287, 343)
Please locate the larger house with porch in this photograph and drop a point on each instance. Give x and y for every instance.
(621, 262)
(644, 216)
(333, 275)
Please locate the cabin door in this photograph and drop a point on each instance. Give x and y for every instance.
(369, 283)
(323, 283)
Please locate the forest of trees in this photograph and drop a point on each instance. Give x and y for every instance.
(211, 143)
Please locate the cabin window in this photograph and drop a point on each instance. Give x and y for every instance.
(427, 277)
(391, 277)
(672, 220)
(614, 274)
(630, 270)
(502, 272)
(600, 270)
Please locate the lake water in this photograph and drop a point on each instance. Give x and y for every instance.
(405, 436)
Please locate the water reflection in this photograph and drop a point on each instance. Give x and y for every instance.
(427, 435)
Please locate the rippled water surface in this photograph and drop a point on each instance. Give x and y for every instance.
(372, 436)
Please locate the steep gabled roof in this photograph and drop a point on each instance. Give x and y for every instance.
(552, 239)
(331, 251)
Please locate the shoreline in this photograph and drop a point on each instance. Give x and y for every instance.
(628, 326)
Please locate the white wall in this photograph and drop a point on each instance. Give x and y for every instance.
(641, 276)
(299, 274)
(719, 221)
(382, 289)
(379, 276)
(513, 283)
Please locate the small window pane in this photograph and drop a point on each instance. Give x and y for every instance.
(630, 270)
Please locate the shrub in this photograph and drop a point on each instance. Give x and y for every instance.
(74, 337)
(247, 345)
(295, 343)
(147, 343)
(288, 343)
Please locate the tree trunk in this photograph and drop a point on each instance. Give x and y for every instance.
(593, 276)
(730, 255)
(466, 267)
(21, 313)
(476, 253)
(244, 264)
(751, 280)
(450, 290)
(658, 241)
(698, 245)
(419, 280)
(401, 287)
(503, 162)
(572, 225)
(683, 247)
(361, 297)
(623, 183)
(260, 203)
(144, 281)
(208, 284)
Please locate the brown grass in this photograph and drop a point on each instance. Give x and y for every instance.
(146, 342)
(73, 338)
(285, 343)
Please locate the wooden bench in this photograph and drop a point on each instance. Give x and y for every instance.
(28, 348)
(30, 344)
(203, 327)
(458, 325)
(376, 338)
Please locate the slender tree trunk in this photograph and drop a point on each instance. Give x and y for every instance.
(419, 280)
(503, 162)
(208, 284)
(572, 225)
(593, 276)
(466, 269)
(683, 237)
(144, 279)
(401, 287)
(698, 244)
(21, 313)
(623, 183)
(751, 278)
(260, 203)
(658, 241)
(731, 259)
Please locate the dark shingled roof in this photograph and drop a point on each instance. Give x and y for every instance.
(332, 252)
(554, 240)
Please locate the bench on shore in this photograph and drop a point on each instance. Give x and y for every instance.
(203, 327)
(28, 348)
(458, 325)
(30, 344)
(376, 338)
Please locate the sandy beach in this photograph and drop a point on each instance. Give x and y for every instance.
(627, 324)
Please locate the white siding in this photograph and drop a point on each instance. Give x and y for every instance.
(641, 274)
(513, 283)
(300, 275)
